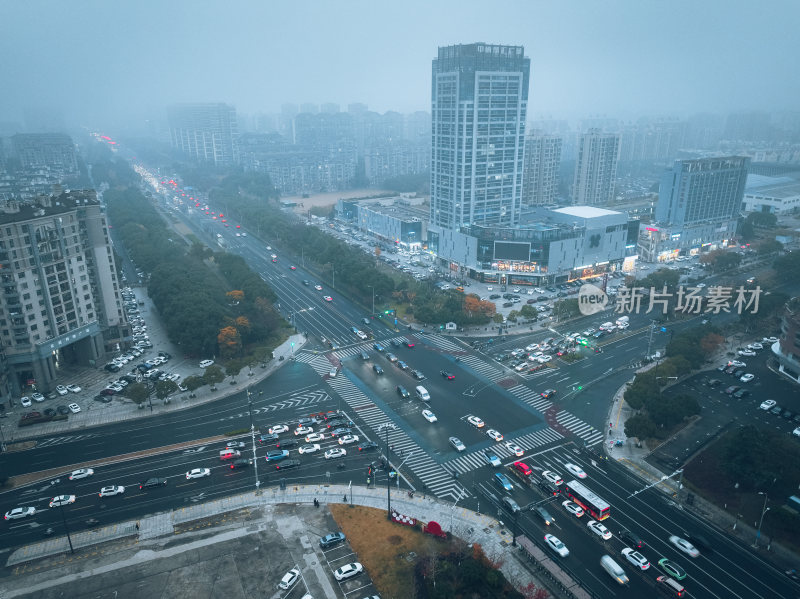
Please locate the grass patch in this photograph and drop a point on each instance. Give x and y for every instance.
(382, 547)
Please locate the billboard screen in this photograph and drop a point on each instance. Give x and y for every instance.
(508, 250)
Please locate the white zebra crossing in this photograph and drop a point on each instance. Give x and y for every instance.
(578, 427)
(528, 442)
(531, 397)
(50, 441)
(484, 369)
(441, 342)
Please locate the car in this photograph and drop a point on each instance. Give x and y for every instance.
(206, 363)
(74, 408)
(746, 352)
(457, 444)
(429, 416)
(25, 401)
(198, 473)
(318, 287)
(767, 404)
(735, 363)
(308, 448)
(448, 375)
(348, 439)
(63, 410)
(403, 392)
(492, 459)
(292, 576)
(631, 539)
(236, 444)
(277, 454)
(286, 443)
(278, 428)
(523, 468)
(73, 388)
(61, 390)
(746, 378)
(672, 568)
(20, 512)
(314, 437)
(341, 431)
(556, 545)
(241, 463)
(348, 571)
(81, 473)
(575, 470)
(796, 432)
(732, 389)
(684, 545)
(367, 446)
(61, 500)
(514, 449)
(336, 452)
(598, 529)
(494, 435)
(776, 410)
(377, 369)
(755, 346)
(636, 558)
(553, 477)
(475, 421)
(327, 298)
(502, 480)
(548, 393)
(333, 372)
(573, 508)
(409, 343)
(417, 374)
(331, 540)
(769, 340)
(292, 267)
(266, 439)
(303, 430)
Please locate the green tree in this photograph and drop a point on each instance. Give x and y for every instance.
(165, 388)
(136, 392)
(640, 426)
(193, 382)
(769, 246)
(213, 375)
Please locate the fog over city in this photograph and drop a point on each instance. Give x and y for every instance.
(105, 64)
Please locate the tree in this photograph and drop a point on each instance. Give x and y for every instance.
(165, 388)
(136, 392)
(235, 297)
(229, 341)
(213, 375)
(640, 426)
(193, 382)
(769, 246)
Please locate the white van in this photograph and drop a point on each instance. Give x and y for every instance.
(422, 393)
(614, 569)
(229, 454)
(622, 321)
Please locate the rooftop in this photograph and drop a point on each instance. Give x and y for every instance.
(585, 211)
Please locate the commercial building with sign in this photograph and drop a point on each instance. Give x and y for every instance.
(398, 220)
(549, 246)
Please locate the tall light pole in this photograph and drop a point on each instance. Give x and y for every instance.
(386, 426)
(764, 510)
(373, 298)
(253, 434)
(64, 520)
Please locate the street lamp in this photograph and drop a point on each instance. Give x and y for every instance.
(64, 520)
(373, 298)
(764, 510)
(253, 433)
(386, 426)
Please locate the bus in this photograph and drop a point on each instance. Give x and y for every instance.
(592, 503)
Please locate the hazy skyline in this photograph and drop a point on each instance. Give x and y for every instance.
(108, 64)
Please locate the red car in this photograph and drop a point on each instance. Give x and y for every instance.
(293, 267)
(523, 468)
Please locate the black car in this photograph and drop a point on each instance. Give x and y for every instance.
(286, 464)
(50, 412)
(286, 443)
(306, 283)
(395, 343)
(367, 446)
(788, 414)
(242, 463)
(331, 540)
(377, 369)
(508, 304)
(338, 432)
(164, 354)
(739, 373)
(103, 398)
(741, 393)
(632, 539)
(494, 296)
(403, 392)
(63, 410)
(268, 438)
(448, 375)
(548, 487)
(417, 374)
(153, 482)
(699, 541)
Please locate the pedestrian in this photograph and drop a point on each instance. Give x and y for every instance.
(137, 526)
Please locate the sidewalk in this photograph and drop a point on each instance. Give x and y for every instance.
(470, 526)
(117, 412)
(633, 458)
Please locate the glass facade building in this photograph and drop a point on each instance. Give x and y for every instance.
(479, 96)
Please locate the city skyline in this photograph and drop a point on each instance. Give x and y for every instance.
(586, 59)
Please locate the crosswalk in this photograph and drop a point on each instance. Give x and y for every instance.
(531, 397)
(442, 343)
(483, 368)
(50, 441)
(589, 434)
(528, 442)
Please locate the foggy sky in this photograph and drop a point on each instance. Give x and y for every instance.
(104, 63)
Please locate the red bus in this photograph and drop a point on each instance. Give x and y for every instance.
(592, 503)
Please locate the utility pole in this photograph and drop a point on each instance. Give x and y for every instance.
(253, 435)
(764, 510)
(64, 520)
(650, 339)
(386, 426)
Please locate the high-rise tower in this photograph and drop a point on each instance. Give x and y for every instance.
(595, 168)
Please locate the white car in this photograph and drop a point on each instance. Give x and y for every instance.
(598, 529)
(74, 408)
(303, 430)
(198, 473)
(289, 579)
(278, 428)
(573, 508)
(457, 444)
(684, 545)
(327, 298)
(769, 340)
(37, 397)
(738, 364)
(766, 405)
(313, 437)
(556, 545)
(73, 388)
(206, 363)
(429, 416)
(553, 477)
(25, 401)
(575, 470)
(333, 372)
(60, 500)
(495, 435)
(755, 346)
(475, 421)
(746, 352)
(348, 439)
(514, 448)
(796, 432)
(61, 390)
(81, 473)
(336, 452)
(348, 571)
(361, 335)
(309, 448)
(111, 491)
(636, 558)
(20, 512)
(746, 378)
(318, 287)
